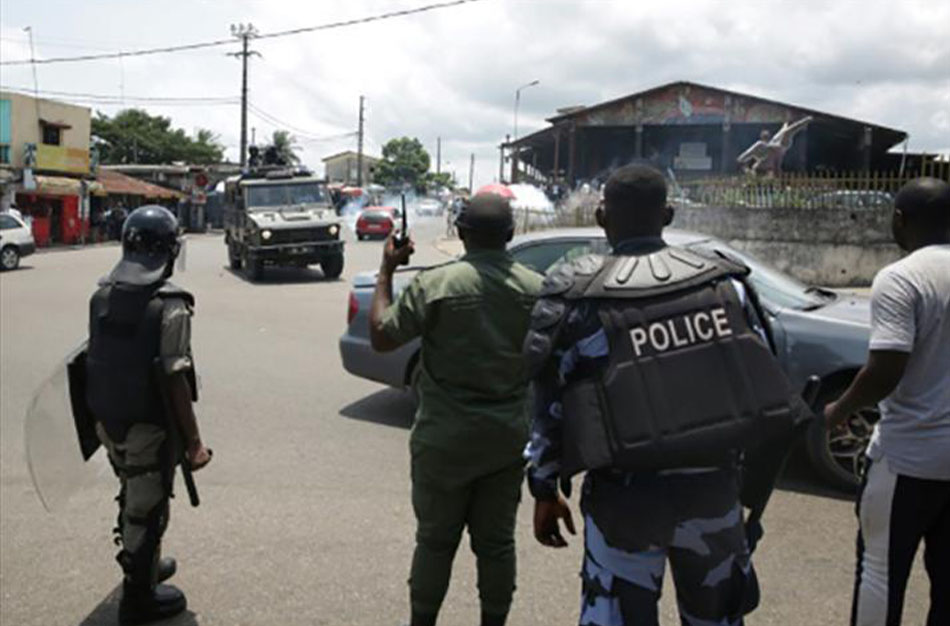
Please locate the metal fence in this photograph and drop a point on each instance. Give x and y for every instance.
(830, 190)
(839, 190)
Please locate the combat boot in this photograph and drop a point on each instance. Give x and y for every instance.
(166, 568)
(143, 606)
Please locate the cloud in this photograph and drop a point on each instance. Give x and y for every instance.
(453, 73)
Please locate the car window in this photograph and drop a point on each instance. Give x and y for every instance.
(7, 222)
(544, 255)
(774, 287)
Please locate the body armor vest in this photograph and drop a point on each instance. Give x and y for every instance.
(687, 381)
(125, 330)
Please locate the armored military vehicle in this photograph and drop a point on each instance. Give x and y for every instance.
(279, 216)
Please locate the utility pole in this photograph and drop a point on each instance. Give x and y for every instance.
(471, 174)
(253, 135)
(438, 155)
(36, 85)
(501, 160)
(244, 32)
(359, 148)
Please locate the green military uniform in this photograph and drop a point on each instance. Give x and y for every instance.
(472, 424)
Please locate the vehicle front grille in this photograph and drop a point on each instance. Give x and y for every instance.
(301, 235)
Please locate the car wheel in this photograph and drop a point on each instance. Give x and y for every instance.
(839, 456)
(332, 266)
(234, 258)
(9, 258)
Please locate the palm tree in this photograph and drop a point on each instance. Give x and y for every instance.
(284, 144)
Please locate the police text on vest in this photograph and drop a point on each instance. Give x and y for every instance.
(680, 331)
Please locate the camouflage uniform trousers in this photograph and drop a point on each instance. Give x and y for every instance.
(634, 523)
(142, 462)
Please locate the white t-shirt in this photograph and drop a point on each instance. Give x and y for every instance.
(910, 312)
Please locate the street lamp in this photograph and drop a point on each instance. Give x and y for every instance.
(514, 135)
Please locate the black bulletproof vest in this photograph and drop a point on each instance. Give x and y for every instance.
(686, 381)
(125, 327)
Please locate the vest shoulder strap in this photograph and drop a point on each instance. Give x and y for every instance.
(169, 291)
(656, 273)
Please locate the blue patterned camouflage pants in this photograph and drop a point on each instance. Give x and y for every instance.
(634, 524)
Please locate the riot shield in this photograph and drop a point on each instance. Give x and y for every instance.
(59, 439)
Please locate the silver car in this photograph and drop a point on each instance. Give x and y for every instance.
(816, 331)
(16, 241)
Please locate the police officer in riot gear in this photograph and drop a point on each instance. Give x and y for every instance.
(140, 385)
(652, 371)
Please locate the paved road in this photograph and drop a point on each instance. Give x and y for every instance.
(305, 516)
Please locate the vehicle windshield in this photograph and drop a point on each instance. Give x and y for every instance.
(267, 196)
(774, 287)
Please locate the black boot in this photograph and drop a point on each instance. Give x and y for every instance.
(422, 619)
(166, 568)
(493, 620)
(143, 606)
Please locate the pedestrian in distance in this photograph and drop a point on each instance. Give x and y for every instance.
(653, 371)
(471, 424)
(905, 491)
(140, 385)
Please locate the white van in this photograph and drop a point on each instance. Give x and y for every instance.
(16, 241)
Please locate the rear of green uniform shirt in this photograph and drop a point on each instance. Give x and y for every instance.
(472, 315)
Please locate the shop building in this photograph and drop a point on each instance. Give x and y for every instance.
(46, 166)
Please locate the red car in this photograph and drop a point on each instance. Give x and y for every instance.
(376, 221)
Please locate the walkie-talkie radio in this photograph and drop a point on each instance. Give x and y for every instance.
(402, 239)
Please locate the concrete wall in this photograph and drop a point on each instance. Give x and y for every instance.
(26, 113)
(834, 247)
(342, 168)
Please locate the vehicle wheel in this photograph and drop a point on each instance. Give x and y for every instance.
(234, 258)
(332, 266)
(252, 268)
(839, 457)
(9, 258)
(360, 236)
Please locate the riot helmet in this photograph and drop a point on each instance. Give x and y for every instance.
(150, 245)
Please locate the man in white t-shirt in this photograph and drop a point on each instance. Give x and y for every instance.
(905, 493)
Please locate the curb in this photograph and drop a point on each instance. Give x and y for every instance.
(114, 244)
(449, 247)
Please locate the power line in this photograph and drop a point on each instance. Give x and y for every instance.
(98, 96)
(225, 42)
(280, 124)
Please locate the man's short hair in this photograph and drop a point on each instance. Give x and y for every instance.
(925, 200)
(639, 187)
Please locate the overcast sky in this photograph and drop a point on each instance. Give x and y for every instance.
(453, 72)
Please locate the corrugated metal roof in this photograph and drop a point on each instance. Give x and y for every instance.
(120, 184)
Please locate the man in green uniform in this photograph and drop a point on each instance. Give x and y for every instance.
(471, 425)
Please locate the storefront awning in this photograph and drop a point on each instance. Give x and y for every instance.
(57, 185)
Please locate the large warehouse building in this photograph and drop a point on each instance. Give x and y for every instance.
(693, 130)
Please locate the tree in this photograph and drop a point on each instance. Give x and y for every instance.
(404, 161)
(434, 181)
(134, 136)
(284, 143)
